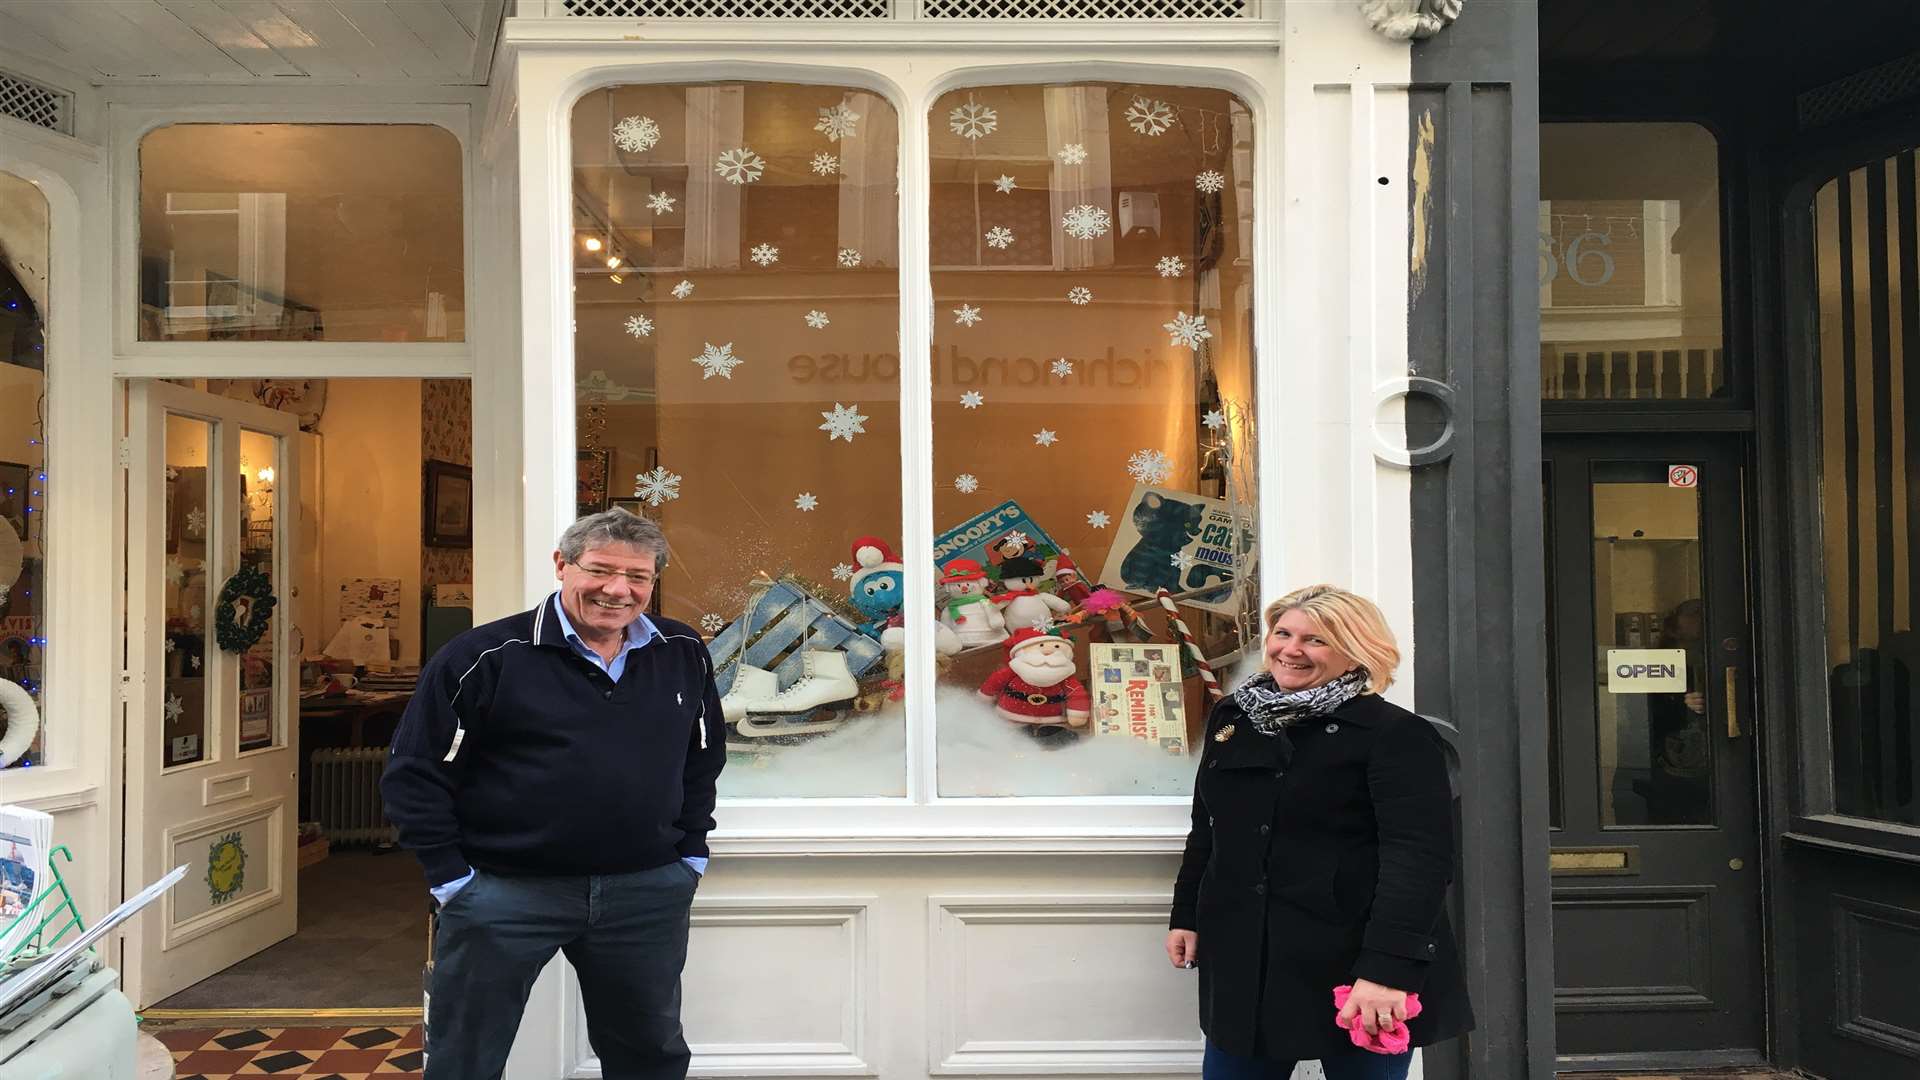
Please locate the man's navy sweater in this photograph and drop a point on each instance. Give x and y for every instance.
(518, 756)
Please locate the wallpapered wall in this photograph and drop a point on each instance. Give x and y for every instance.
(446, 434)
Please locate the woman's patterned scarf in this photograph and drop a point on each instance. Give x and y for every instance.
(1271, 709)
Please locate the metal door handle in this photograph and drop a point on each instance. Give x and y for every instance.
(1733, 701)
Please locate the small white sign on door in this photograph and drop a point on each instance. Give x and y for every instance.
(1646, 671)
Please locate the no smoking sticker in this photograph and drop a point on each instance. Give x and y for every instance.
(1683, 476)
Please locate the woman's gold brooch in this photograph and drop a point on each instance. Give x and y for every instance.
(1223, 734)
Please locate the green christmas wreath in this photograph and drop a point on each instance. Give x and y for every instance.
(244, 610)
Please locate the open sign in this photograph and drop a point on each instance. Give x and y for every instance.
(1646, 671)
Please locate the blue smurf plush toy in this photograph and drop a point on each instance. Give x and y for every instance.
(878, 590)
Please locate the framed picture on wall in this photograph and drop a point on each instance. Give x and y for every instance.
(449, 507)
(592, 469)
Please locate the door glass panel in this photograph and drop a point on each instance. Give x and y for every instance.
(189, 529)
(24, 241)
(1630, 263)
(1555, 818)
(1655, 750)
(259, 549)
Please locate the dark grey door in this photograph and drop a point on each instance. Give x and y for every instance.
(1655, 857)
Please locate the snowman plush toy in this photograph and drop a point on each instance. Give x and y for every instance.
(878, 590)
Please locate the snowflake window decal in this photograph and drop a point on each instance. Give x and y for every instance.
(1188, 330)
(712, 623)
(717, 361)
(836, 122)
(817, 319)
(765, 254)
(843, 571)
(1073, 154)
(656, 486)
(844, 422)
(636, 134)
(1080, 294)
(966, 315)
(1214, 420)
(848, 257)
(1099, 519)
(971, 399)
(639, 325)
(966, 483)
(1182, 560)
(1150, 117)
(805, 502)
(1005, 184)
(825, 164)
(1150, 467)
(1085, 222)
(1046, 437)
(1000, 237)
(1210, 181)
(660, 202)
(741, 166)
(683, 290)
(1170, 266)
(1062, 367)
(972, 120)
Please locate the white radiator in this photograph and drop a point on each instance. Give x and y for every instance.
(345, 795)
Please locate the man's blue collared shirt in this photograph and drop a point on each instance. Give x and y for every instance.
(640, 632)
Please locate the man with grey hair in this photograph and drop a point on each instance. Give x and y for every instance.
(555, 774)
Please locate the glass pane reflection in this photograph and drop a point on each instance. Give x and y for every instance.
(189, 531)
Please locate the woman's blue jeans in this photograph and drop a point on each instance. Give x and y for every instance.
(1355, 1064)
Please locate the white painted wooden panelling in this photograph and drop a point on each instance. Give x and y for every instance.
(196, 41)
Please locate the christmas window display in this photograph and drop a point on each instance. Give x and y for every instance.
(23, 476)
(1094, 495)
(736, 309)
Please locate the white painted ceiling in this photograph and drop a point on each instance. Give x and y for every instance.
(445, 42)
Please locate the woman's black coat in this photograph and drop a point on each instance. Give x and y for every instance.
(1319, 856)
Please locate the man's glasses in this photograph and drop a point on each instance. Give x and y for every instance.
(639, 579)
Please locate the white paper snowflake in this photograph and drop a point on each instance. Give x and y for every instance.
(1045, 437)
(1215, 420)
(842, 572)
(966, 315)
(844, 422)
(972, 120)
(660, 202)
(196, 521)
(639, 325)
(741, 166)
(1017, 539)
(817, 319)
(848, 257)
(966, 483)
(657, 485)
(805, 502)
(1210, 181)
(684, 289)
(1149, 466)
(971, 399)
(1080, 294)
(765, 254)
(825, 164)
(193, 662)
(1084, 222)
(1062, 367)
(176, 575)
(1073, 154)
(1149, 117)
(836, 122)
(1005, 184)
(168, 647)
(1099, 519)
(712, 623)
(999, 237)
(1188, 330)
(175, 707)
(720, 361)
(1171, 266)
(1182, 560)
(636, 134)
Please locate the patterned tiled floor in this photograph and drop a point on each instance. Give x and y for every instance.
(329, 1053)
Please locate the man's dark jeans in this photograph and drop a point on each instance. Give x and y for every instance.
(626, 936)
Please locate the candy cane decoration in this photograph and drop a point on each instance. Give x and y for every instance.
(1193, 648)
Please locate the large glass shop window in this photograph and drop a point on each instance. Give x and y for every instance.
(1630, 263)
(1093, 430)
(301, 232)
(23, 477)
(736, 306)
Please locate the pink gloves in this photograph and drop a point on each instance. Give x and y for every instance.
(1392, 1041)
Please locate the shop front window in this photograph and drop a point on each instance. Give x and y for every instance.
(1630, 263)
(1866, 226)
(1093, 380)
(301, 232)
(736, 305)
(23, 477)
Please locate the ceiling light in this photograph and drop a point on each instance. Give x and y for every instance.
(613, 262)
(591, 243)
(617, 279)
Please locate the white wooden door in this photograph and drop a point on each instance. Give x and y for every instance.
(212, 732)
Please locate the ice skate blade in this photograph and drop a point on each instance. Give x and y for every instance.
(763, 726)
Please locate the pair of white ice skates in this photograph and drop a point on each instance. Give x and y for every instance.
(755, 704)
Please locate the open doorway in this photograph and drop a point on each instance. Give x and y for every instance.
(362, 519)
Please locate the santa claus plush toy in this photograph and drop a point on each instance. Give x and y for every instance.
(1022, 603)
(968, 611)
(878, 589)
(1037, 687)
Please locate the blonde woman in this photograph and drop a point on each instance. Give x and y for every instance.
(1320, 855)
